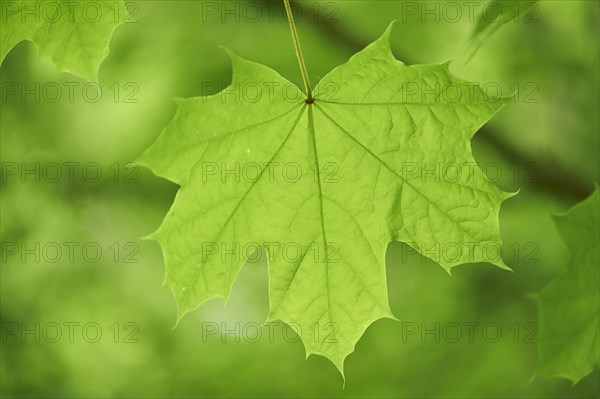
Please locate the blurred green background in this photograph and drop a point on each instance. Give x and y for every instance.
(546, 144)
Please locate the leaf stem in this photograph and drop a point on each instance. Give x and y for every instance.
(288, 10)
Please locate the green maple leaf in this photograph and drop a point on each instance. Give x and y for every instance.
(569, 305)
(74, 34)
(330, 184)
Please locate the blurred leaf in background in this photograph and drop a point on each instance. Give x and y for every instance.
(569, 310)
(497, 13)
(75, 35)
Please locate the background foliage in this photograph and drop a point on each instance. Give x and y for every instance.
(171, 51)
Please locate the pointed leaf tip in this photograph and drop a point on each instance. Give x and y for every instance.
(385, 38)
(384, 42)
(230, 53)
(388, 31)
(235, 60)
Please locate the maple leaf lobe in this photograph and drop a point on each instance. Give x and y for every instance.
(351, 195)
